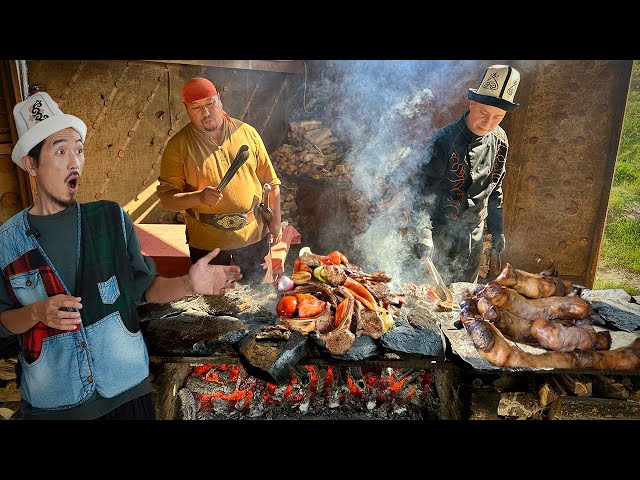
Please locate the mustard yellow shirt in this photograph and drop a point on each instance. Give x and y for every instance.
(191, 161)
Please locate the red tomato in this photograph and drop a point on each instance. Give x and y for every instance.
(333, 258)
(325, 260)
(299, 266)
(287, 306)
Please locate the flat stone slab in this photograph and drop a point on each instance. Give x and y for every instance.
(462, 346)
(194, 335)
(272, 360)
(415, 331)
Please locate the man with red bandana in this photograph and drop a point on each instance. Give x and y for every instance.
(72, 276)
(192, 165)
(460, 181)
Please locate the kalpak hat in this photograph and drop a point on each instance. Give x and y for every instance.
(498, 87)
(37, 117)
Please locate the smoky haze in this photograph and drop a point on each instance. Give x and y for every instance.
(386, 111)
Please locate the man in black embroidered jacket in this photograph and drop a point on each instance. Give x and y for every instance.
(460, 181)
(72, 275)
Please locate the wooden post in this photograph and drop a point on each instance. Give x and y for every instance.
(447, 382)
(13, 95)
(167, 381)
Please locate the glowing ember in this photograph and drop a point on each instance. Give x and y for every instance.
(223, 391)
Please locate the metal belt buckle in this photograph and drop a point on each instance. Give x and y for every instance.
(229, 221)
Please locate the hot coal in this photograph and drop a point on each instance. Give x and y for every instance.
(216, 391)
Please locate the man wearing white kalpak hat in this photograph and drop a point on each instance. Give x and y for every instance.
(459, 184)
(72, 276)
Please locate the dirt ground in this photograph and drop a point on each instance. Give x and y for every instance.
(616, 275)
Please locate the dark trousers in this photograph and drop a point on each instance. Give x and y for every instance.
(457, 252)
(250, 259)
(140, 408)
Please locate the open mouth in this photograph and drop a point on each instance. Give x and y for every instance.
(72, 183)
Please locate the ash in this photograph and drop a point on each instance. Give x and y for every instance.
(257, 300)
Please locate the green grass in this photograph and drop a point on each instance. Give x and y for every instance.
(606, 284)
(621, 243)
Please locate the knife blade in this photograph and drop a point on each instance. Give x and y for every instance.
(241, 158)
(441, 288)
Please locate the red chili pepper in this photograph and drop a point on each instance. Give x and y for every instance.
(361, 293)
(340, 311)
(363, 301)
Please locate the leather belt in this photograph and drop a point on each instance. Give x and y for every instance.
(224, 221)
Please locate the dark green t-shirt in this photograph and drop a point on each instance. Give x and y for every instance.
(58, 238)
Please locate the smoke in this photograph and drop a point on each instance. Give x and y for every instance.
(386, 111)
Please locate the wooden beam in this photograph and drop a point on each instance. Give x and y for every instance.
(283, 66)
(11, 92)
(422, 363)
(6, 148)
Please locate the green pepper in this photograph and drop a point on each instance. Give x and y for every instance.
(318, 274)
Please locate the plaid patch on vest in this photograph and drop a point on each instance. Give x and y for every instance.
(32, 338)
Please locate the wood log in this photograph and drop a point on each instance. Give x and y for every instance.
(522, 405)
(558, 388)
(447, 383)
(317, 136)
(591, 408)
(10, 393)
(546, 394)
(484, 405)
(6, 413)
(326, 142)
(309, 124)
(607, 387)
(8, 368)
(167, 382)
(575, 384)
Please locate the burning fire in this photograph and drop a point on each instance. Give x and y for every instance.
(228, 390)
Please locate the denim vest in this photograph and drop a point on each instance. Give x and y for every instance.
(107, 352)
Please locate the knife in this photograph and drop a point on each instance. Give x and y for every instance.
(241, 157)
(441, 288)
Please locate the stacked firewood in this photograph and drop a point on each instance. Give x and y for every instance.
(560, 396)
(312, 153)
(288, 204)
(315, 155)
(9, 392)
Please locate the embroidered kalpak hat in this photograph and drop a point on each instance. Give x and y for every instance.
(498, 87)
(37, 117)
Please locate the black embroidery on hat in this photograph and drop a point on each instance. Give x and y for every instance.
(492, 82)
(512, 88)
(38, 116)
